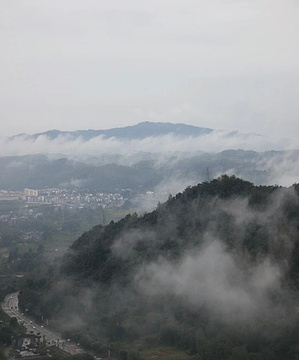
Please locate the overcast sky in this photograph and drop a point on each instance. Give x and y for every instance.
(79, 64)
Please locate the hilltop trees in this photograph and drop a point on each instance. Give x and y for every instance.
(214, 271)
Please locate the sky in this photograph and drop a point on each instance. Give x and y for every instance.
(93, 64)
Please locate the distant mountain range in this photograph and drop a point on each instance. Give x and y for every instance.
(176, 137)
(189, 155)
(139, 131)
(170, 173)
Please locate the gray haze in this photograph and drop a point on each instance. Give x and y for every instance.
(281, 168)
(227, 281)
(211, 276)
(74, 64)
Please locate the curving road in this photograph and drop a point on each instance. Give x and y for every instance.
(11, 308)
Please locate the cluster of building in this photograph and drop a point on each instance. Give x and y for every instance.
(64, 197)
(74, 199)
(11, 195)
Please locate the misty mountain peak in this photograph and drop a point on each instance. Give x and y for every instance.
(139, 131)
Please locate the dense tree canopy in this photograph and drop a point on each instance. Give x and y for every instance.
(214, 271)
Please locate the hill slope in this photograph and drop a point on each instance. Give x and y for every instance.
(214, 271)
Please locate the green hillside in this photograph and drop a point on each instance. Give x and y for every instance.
(213, 272)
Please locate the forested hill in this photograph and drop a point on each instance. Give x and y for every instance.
(213, 271)
(243, 217)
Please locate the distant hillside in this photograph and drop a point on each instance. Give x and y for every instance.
(139, 131)
(213, 271)
(109, 173)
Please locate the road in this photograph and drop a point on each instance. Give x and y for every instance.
(10, 305)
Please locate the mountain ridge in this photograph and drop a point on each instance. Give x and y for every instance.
(107, 173)
(138, 131)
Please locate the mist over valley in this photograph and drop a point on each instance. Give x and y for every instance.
(128, 246)
(159, 157)
(149, 197)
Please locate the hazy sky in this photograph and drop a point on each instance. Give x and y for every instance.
(79, 64)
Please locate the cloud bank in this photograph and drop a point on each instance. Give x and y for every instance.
(211, 276)
(214, 142)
